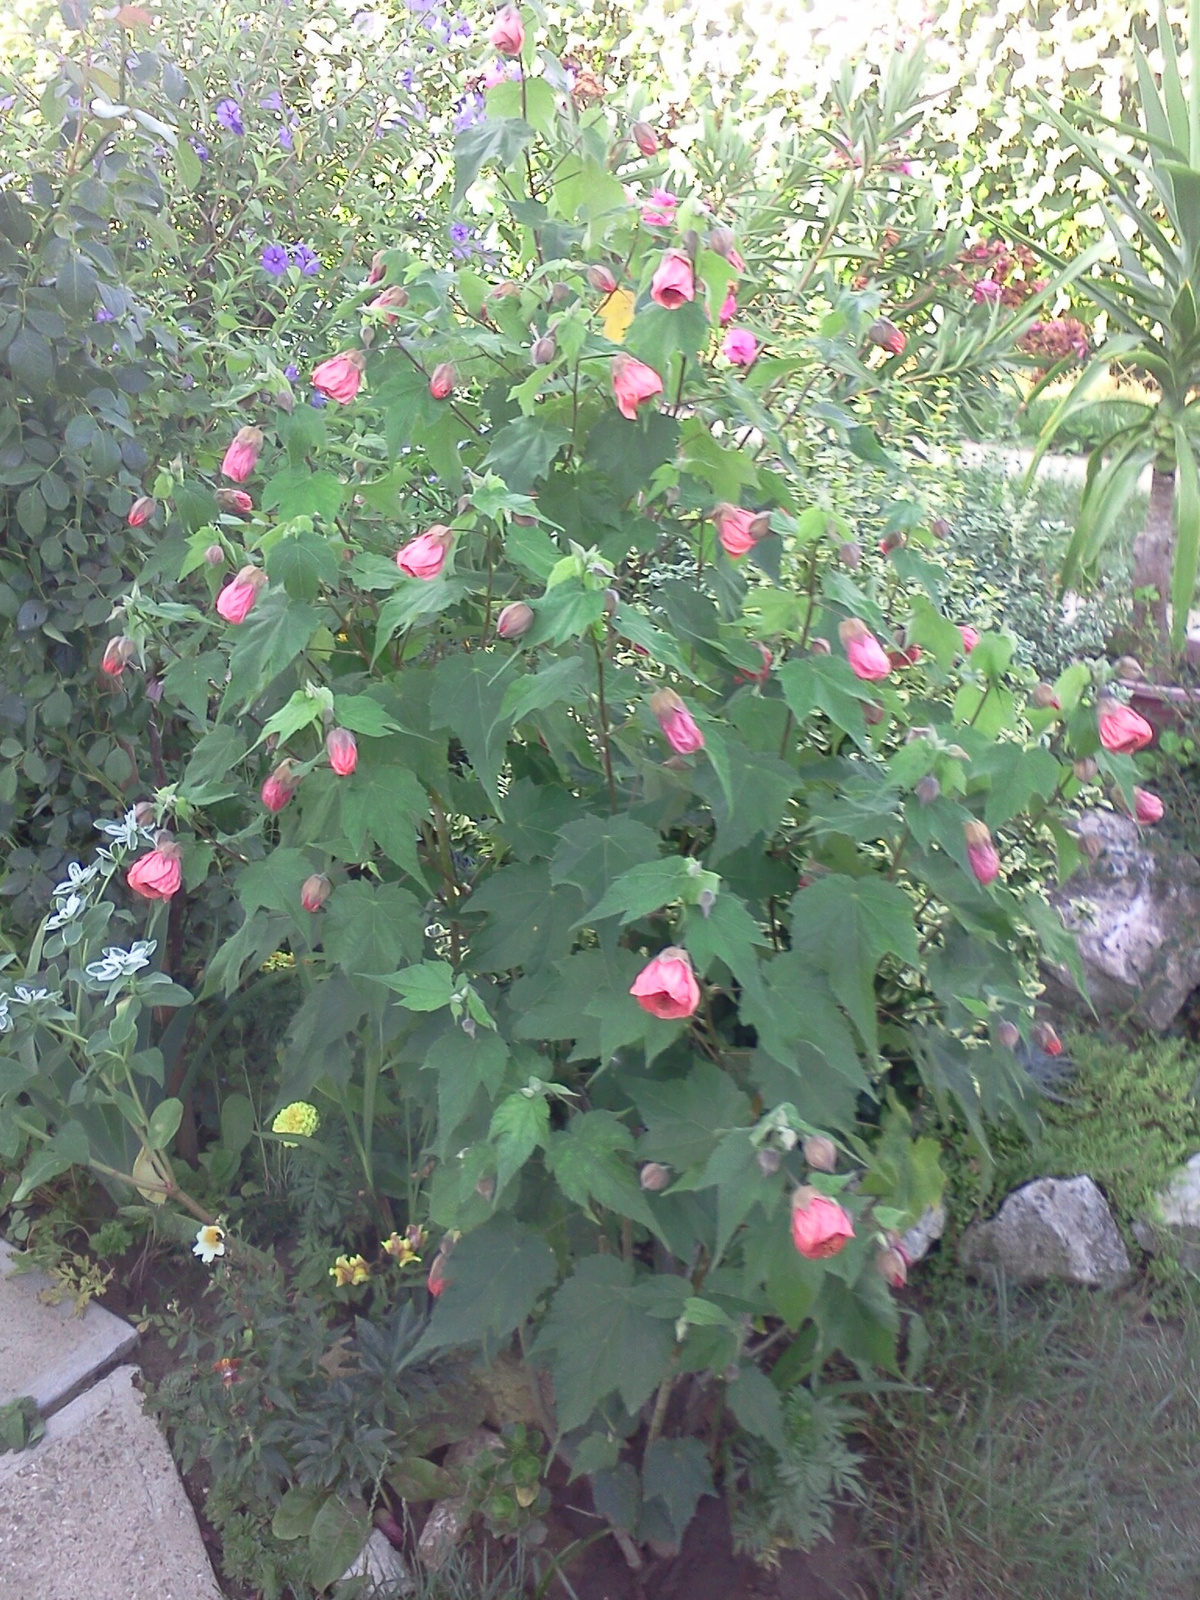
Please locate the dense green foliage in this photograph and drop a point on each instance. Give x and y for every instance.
(546, 661)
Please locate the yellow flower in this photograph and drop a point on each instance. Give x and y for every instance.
(349, 1270)
(300, 1118)
(210, 1243)
(400, 1247)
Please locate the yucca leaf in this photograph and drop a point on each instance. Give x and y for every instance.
(1187, 535)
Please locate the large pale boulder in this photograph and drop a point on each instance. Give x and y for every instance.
(1053, 1228)
(1134, 907)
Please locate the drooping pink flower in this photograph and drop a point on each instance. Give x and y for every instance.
(970, 637)
(241, 458)
(740, 346)
(863, 651)
(739, 530)
(142, 509)
(633, 381)
(659, 210)
(677, 723)
(987, 292)
(159, 874)
(341, 376)
(436, 1281)
(673, 283)
(507, 33)
(820, 1227)
(314, 891)
(981, 852)
(279, 787)
(425, 556)
(118, 653)
(728, 306)
(733, 256)
(1147, 807)
(442, 380)
(342, 750)
(666, 987)
(1122, 730)
(236, 599)
(515, 620)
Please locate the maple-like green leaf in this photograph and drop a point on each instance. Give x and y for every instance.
(519, 1124)
(493, 1279)
(609, 1330)
(844, 927)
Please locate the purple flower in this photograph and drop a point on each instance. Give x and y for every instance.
(459, 232)
(304, 258)
(422, 7)
(291, 372)
(462, 28)
(271, 102)
(469, 113)
(286, 142)
(8, 102)
(318, 400)
(200, 149)
(407, 78)
(275, 260)
(442, 29)
(229, 116)
(103, 314)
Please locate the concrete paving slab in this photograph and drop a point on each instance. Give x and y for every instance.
(96, 1510)
(47, 1351)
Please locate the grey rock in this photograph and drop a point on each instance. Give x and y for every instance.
(444, 1528)
(924, 1233)
(1051, 1228)
(96, 1509)
(1173, 1222)
(47, 1351)
(1134, 907)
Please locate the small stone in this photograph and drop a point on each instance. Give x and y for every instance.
(443, 1532)
(1051, 1228)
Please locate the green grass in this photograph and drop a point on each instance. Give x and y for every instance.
(1053, 1454)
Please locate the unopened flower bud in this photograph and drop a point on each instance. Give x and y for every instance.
(560, 294)
(769, 1160)
(928, 789)
(486, 1187)
(601, 279)
(892, 1267)
(1044, 697)
(143, 813)
(118, 653)
(940, 528)
(820, 647)
(612, 600)
(544, 350)
(1008, 1034)
(442, 380)
(654, 1176)
(872, 714)
(819, 1152)
(850, 554)
(1085, 769)
(314, 891)
(890, 541)
(1045, 1037)
(214, 556)
(1130, 668)
(721, 241)
(514, 620)
(645, 138)
(884, 333)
